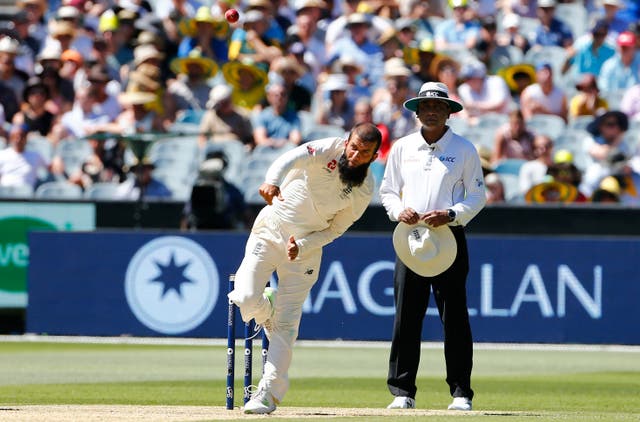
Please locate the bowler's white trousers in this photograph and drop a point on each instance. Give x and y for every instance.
(266, 252)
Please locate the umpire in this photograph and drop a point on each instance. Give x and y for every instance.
(432, 185)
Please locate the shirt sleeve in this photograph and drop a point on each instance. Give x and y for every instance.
(392, 183)
(473, 181)
(298, 157)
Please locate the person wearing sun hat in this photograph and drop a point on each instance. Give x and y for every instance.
(518, 76)
(248, 82)
(433, 186)
(191, 87)
(210, 33)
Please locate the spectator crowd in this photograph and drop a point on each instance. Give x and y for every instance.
(551, 89)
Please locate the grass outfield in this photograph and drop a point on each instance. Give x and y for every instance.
(510, 384)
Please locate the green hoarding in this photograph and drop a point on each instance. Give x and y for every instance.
(16, 220)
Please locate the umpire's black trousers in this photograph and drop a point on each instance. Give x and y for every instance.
(411, 293)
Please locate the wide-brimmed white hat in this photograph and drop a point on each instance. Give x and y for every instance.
(433, 91)
(427, 251)
(336, 82)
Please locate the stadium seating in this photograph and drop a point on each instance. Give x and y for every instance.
(102, 191)
(58, 190)
(24, 191)
(41, 144)
(546, 124)
(575, 15)
(73, 154)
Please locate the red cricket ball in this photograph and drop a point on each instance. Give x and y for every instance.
(232, 15)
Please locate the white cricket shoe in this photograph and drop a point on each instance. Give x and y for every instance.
(402, 403)
(261, 402)
(460, 403)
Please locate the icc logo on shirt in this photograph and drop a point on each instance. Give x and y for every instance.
(171, 284)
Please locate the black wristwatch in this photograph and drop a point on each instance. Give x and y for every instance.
(452, 215)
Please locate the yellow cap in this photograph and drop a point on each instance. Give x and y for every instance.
(610, 184)
(108, 21)
(563, 156)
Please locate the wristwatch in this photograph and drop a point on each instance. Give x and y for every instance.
(452, 215)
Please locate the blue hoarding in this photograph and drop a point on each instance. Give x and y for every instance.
(524, 289)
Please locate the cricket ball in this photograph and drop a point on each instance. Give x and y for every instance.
(232, 15)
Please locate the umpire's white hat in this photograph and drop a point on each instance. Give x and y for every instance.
(427, 251)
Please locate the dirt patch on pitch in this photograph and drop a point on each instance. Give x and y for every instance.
(103, 413)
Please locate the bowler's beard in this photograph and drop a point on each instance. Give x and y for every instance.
(352, 176)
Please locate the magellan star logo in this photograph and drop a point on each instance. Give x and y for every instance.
(171, 276)
(171, 284)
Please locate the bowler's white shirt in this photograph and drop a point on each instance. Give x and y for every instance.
(19, 169)
(446, 174)
(317, 207)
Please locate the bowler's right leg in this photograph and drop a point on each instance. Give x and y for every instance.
(259, 262)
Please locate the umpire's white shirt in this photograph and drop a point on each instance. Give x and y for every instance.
(318, 207)
(445, 174)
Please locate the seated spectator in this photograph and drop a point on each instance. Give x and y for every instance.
(275, 126)
(209, 33)
(10, 76)
(622, 70)
(551, 30)
(390, 111)
(608, 191)
(543, 97)
(447, 71)
(618, 22)
(248, 83)
(105, 102)
(365, 52)
(336, 108)
(482, 93)
(533, 172)
(136, 117)
(72, 68)
(145, 78)
(251, 43)
(513, 140)
(190, 88)
(518, 77)
(630, 103)
(141, 184)
(223, 121)
(458, 32)
(18, 166)
(486, 47)
(606, 148)
(494, 189)
(77, 122)
(551, 191)
(215, 203)
(291, 71)
(511, 35)
(61, 91)
(33, 112)
(423, 71)
(567, 172)
(588, 55)
(587, 102)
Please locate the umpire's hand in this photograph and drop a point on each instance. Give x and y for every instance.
(268, 191)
